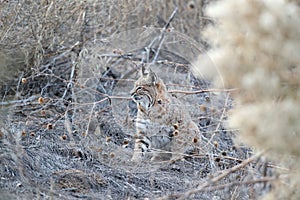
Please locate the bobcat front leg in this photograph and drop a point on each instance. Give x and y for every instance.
(137, 152)
(140, 147)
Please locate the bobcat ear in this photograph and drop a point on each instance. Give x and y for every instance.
(143, 71)
(152, 76)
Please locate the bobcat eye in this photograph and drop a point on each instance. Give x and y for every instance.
(138, 88)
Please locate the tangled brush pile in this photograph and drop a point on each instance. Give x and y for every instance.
(255, 49)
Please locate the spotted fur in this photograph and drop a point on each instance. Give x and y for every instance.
(164, 130)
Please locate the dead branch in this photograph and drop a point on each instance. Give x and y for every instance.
(162, 35)
(22, 101)
(239, 183)
(220, 121)
(212, 181)
(201, 91)
(236, 183)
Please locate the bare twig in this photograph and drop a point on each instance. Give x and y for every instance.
(70, 84)
(90, 119)
(22, 101)
(235, 183)
(160, 38)
(219, 187)
(201, 91)
(220, 121)
(217, 178)
(162, 35)
(12, 24)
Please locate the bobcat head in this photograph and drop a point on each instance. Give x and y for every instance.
(145, 90)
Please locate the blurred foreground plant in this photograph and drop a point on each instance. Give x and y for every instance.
(255, 48)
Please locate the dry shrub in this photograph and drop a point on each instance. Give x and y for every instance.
(42, 27)
(256, 49)
(36, 31)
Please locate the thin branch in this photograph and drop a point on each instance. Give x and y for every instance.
(162, 34)
(5, 32)
(220, 121)
(212, 181)
(70, 83)
(201, 91)
(120, 97)
(22, 101)
(220, 187)
(235, 183)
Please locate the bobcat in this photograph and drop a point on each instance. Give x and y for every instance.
(164, 129)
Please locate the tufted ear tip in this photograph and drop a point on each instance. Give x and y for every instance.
(143, 70)
(152, 76)
(149, 75)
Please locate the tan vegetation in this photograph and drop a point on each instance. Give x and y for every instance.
(256, 45)
(67, 119)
